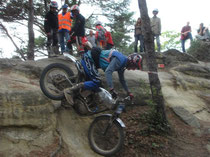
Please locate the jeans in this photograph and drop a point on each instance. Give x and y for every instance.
(63, 39)
(115, 65)
(141, 39)
(189, 36)
(157, 37)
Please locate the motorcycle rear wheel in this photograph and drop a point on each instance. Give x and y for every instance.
(111, 142)
(53, 80)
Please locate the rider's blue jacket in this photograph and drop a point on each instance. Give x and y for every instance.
(110, 61)
(105, 58)
(92, 76)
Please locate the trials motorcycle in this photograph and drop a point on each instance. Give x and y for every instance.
(106, 132)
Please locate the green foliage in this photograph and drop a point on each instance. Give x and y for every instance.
(40, 42)
(171, 40)
(154, 120)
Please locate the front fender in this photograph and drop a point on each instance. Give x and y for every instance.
(118, 120)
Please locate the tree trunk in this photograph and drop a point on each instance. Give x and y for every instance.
(151, 62)
(30, 53)
(45, 6)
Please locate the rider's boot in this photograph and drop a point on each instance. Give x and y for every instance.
(69, 92)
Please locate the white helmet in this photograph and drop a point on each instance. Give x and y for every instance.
(54, 4)
(98, 23)
(155, 10)
(75, 7)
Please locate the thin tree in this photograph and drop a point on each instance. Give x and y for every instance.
(30, 53)
(10, 37)
(152, 64)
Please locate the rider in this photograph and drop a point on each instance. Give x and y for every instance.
(112, 60)
(109, 61)
(77, 32)
(92, 77)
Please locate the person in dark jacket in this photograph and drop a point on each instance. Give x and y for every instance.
(78, 30)
(51, 29)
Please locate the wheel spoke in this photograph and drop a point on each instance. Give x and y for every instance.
(110, 139)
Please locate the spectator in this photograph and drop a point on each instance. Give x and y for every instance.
(91, 38)
(64, 20)
(100, 35)
(186, 34)
(203, 33)
(156, 28)
(77, 32)
(138, 36)
(51, 29)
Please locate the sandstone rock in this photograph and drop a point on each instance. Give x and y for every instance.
(174, 57)
(200, 50)
(187, 117)
(196, 70)
(208, 147)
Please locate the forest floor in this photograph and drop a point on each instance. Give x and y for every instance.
(142, 141)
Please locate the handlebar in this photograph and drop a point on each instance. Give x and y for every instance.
(121, 104)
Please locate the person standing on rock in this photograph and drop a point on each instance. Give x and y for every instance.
(64, 20)
(77, 32)
(138, 36)
(51, 29)
(156, 28)
(185, 35)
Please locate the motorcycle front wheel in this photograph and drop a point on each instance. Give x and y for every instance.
(105, 138)
(54, 79)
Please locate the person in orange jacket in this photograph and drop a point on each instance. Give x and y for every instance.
(65, 23)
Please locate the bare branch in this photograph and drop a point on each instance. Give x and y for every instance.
(17, 48)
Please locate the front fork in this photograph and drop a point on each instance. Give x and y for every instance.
(111, 121)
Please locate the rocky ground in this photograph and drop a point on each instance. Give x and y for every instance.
(33, 125)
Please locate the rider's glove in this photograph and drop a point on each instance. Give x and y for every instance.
(113, 93)
(130, 95)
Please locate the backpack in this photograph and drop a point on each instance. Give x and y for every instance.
(101, 34)
(109, 38)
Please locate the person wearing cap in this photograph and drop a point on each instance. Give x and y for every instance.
(65, 23)
(156, 28)
(51, 29)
